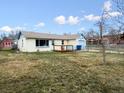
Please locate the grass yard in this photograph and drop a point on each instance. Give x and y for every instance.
(55, 72)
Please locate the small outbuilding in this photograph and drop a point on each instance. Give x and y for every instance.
(6, 43)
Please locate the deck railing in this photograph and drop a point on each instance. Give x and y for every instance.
(63, 48)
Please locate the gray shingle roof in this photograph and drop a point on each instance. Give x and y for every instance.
(38, 35)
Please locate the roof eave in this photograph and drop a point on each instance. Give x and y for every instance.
(52, 38)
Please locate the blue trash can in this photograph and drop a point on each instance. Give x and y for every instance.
(78, 47)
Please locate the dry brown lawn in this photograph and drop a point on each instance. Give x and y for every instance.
(55, 72)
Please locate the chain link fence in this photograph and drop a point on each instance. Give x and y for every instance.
(112, 48)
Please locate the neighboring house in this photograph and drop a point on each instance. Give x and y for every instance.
(108, 39)
(6, 43)
(34, 41)
(115, 39)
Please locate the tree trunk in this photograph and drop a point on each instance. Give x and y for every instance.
(102, 43)
(104, 54)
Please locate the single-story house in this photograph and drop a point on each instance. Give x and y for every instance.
(6, 43)
(35, 41)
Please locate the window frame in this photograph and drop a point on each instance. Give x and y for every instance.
(53, 43)
(39, 43)
(62, 42)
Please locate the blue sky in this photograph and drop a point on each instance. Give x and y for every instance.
(53, 16)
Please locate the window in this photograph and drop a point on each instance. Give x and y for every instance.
(37, 42)
(62, 42)
(52, 42)
(42, 43)
(9, 44)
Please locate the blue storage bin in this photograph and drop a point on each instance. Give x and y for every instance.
(79, 47)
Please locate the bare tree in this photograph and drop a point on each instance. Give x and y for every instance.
(119, 6)
(103, 20)
(101, 25)
(115, 34)
(90, 36)
(2, 36)
(13, 35)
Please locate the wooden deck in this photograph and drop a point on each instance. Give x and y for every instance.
(63, 48)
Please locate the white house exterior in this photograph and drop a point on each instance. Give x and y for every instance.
(33, 42)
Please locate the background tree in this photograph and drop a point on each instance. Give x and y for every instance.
(115, 34)
(117, 23)
(13, 35)
(119, 6)
(91, 34)
(2, 36)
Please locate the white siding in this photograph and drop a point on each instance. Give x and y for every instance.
(22, 43)
(57, 42)
(29, 45)
(81, 42)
